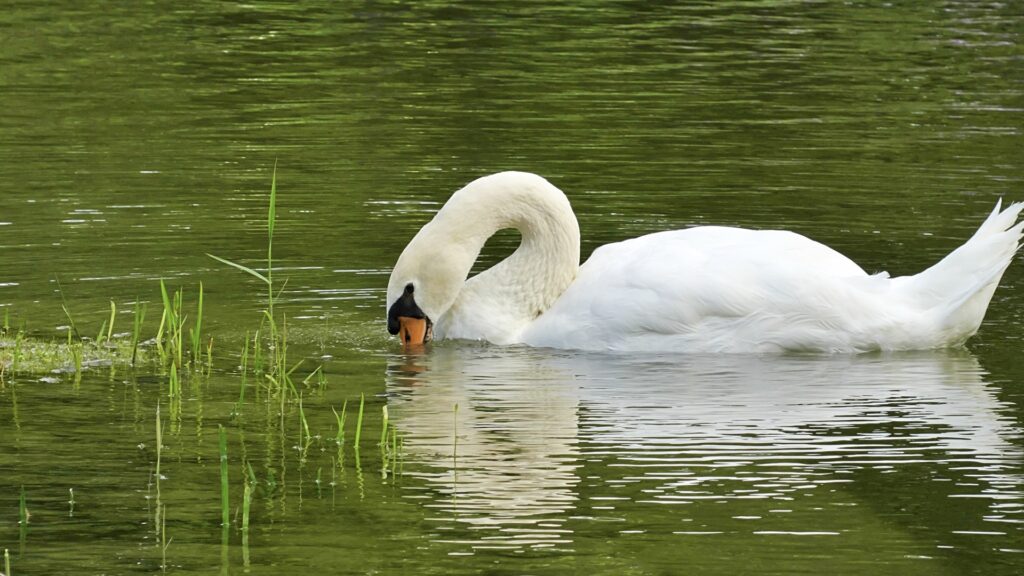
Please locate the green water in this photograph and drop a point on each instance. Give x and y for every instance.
(136, 138)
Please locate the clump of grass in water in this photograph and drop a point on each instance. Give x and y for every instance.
(172, 325)
(279, 375)
(20, 353)
(170, 337)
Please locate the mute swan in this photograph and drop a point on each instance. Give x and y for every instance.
(703, 289)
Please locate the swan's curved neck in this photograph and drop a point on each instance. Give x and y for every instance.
(500, 302)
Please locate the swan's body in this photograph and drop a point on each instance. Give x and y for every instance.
(705, 289)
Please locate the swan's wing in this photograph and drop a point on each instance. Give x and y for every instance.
(705, 289)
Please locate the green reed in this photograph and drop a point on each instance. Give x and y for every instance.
(7, 562)
(171, 342)
(67, 311)
(340, 418)
(224, 501)
(164, 542)
(305, 428)
(339, 437)
(77, 353)
(158, 523)
(318, 374)
(249, 486)
(257, 355)
(209, 357)
(174, 383)
(137, 320)
(195, 333)
(277, 334)
(171, 324)
(103, 330)
(359, 423)
(23, 515)
(110, 325)
(159, 447)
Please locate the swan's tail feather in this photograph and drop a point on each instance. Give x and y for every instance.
(957, 290)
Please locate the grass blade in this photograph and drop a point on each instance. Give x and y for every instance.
(245, 269)
(110, 327)
(359, 423)
(224, 502)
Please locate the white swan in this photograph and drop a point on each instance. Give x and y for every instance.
(704, 289)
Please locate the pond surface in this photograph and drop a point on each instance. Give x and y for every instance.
(135, 139)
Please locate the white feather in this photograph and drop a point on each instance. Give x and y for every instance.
(705, 289)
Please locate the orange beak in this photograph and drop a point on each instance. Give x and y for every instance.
(412, 331)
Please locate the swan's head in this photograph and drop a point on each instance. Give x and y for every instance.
(408, 320)
(430, 274)
(426, 280)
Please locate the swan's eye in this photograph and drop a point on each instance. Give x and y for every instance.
(409, 288)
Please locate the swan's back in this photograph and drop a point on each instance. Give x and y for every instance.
(716, 289)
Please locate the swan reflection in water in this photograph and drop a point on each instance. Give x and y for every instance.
(551, 438)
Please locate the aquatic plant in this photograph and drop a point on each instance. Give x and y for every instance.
(249, 486)
(305, 428)
(137, 320)
(107, 328)
(280, 374)
(359, 423)
(67, 311)
(164, 541)
(21, 353)
(196, 332)
(383, 443)
(224, 502)
(23, 515)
